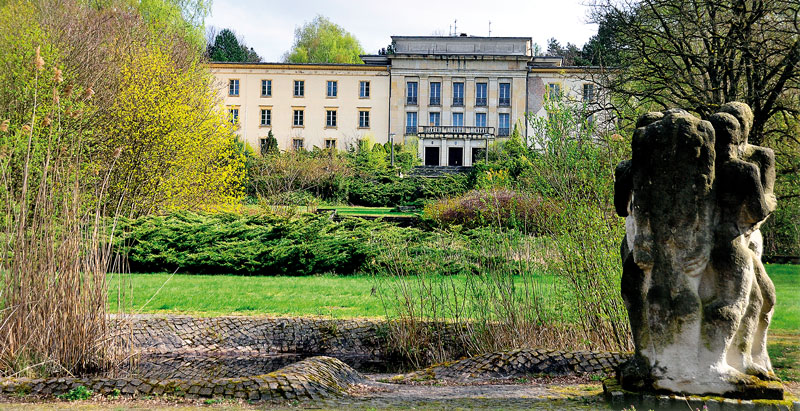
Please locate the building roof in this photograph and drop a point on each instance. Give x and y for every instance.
(461, 45)
(297, 66)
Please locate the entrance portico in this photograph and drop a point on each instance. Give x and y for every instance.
(453, 145)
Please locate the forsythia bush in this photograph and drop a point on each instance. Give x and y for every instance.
(178, 150)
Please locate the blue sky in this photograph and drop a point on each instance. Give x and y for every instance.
(268, 25)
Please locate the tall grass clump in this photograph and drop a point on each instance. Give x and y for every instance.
(55, 250)
(550, 273)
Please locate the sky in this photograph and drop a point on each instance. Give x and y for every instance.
(268, 25)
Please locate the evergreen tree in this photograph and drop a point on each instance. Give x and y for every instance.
(228, 47)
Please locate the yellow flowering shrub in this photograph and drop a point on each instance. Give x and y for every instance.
(178, 150)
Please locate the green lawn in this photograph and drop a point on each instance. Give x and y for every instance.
(211, 295)
(330, 295)
(367, 211)
(787, 286)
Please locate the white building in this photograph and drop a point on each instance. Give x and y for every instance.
(455, 94)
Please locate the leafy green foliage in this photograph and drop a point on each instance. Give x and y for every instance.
(78, 393)
(260, 244)
(322, 41)
(302, 245)
(389, 190)
(230, 48)
(182, 17)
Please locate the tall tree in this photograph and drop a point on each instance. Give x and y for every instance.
(700, 54)
(226, 46)
(571, 53)
(322, 41)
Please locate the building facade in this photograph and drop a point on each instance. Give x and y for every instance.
(452, 95)
(305, 105)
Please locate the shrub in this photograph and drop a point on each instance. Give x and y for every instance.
(388, 190)
(78, 393)
(297, 245)
(493, 207)
(245, 244)
(320, 172)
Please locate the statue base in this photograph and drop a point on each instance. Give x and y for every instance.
(632, 379)
(619, 397)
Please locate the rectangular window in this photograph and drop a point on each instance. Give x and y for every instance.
(458, 94)
(233, 87)
(588, 93)
(436, 94)
(411, 122)
(480, 94)
(363, 119)
(363, 89)
(266, 88)
(233, 114)
(458, 119)
(330, 118)
(554, 91)
(504, 125)
(266, 117)
(434, 119)
(299, 88)
(332, 88)
(505, 95)
(330, 143)
(297, 144)
(297, 118)
(480, 119)
(411, 93)
(263, 145)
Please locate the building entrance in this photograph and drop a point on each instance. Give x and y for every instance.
(431, 156)
(455, 156)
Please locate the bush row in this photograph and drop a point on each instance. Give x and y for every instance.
(268, 244)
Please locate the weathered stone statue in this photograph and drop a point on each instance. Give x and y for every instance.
(694, 195)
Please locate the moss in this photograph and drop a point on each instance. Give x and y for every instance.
(581, 390)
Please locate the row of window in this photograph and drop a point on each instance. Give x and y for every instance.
(299, 89)
(554, 92)
(434, 119)
(435, 94)
(298, 117)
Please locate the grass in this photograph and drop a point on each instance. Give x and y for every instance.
(368, 211)
(358, 296)
(212, 295)
(330, 295)
(786, 278)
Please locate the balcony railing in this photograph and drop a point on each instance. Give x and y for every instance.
(480, 101)
(458, 101)
(504, 102)
(456, 132)
(411, 130)
(411, 100)
(435, 101)
(503, 132)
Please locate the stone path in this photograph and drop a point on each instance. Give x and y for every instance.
(519, 363)
(267, 359)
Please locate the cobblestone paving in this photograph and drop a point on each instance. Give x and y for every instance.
(519, 363)
(257, 359)
(313, 378)
(169, 334)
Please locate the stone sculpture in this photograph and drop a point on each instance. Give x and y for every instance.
(699, 301)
